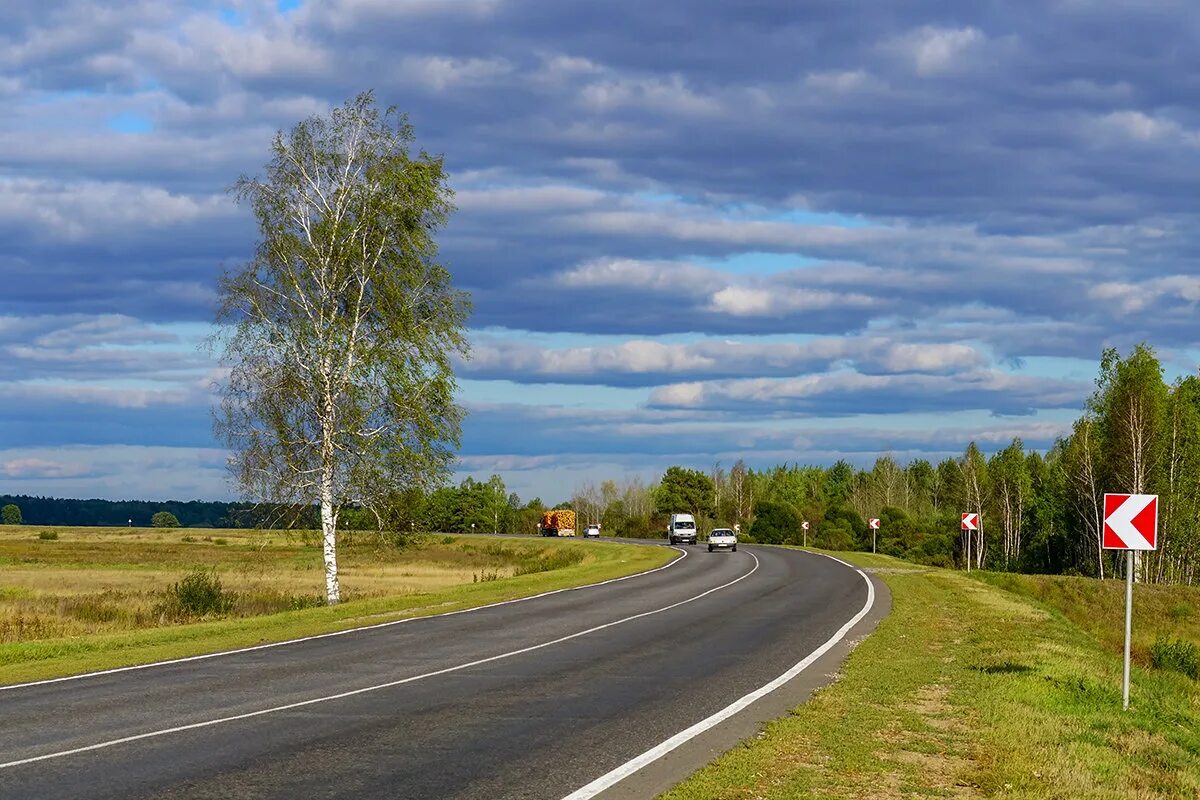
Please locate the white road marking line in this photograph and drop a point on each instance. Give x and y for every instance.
(366, 689)
(631, 766)
(376, 626)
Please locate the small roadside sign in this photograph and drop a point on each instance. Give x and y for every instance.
(804, 525)
(873, 524)
(970, 522)
(1130, 521)
(1130, 524)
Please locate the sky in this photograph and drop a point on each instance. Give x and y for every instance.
(693, 231)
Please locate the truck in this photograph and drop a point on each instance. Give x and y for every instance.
(560, 522)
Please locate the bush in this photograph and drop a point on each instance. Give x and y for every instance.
(48, 536)
(164, 519)
(198, 594)
(447, 540)
(1176, 655)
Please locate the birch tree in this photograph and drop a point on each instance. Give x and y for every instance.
(1011, 487)
(338, 333)
(975, 486)
(1130, 406)
(1082, 464)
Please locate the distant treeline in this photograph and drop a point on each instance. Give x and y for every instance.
(118, 513)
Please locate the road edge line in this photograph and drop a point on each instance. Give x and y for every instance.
(633, 765)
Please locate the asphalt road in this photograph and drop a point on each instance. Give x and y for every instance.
(532, 699)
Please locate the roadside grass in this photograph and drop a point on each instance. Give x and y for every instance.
(1098, 607)
(100, 598)
(969, 690)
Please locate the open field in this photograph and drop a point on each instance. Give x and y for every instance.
(95, 598)
(969, 690)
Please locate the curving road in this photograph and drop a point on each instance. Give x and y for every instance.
(529, 699)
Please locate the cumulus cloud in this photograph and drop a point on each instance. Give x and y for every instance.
(646, 362)
(843, 392)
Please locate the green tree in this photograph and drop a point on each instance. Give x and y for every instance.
(1179, 541)
(340, 332)
(11, 514)
(1011, 486)
(164, 519)
(775, 522)
(685, 490)
(1130, 405)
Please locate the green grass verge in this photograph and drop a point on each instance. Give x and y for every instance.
(37, 660)
(969, 690)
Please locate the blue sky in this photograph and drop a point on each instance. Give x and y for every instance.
(782, 231)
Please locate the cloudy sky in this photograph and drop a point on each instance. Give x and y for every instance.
(694, 231)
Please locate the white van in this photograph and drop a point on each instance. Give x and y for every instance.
(682, 529)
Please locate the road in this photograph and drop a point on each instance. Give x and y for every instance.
(531, 699)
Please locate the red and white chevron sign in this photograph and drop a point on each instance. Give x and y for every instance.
(1130, 521)
(804, 525)
(873, 524)
(970, 522)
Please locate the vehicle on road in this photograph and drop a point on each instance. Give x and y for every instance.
(682, 529)
(591, 532)
(558, 523)
(722, 539)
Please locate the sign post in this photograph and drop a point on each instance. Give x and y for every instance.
(804, 528)
(970, 523)
(873, 524)
(1130, 524)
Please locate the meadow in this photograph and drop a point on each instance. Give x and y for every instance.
(78, 599)
(987, 686)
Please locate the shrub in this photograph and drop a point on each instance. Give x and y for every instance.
(1177, 655)
(447, 540)
(48, 536)
(197, 594)
(220, 541)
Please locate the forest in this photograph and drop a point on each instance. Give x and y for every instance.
(1040, 512)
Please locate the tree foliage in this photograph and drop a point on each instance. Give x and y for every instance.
(685, 490)
(10, 514)
(164, 519)
(339, 332)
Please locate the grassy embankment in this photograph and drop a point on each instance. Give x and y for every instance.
(994, 685)
(81, 599)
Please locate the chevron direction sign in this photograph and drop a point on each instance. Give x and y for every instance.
(970, 522)
(1130, 521)
(873, 524)
(804, 525)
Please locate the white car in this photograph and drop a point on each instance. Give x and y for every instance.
(591, 532)
(723, 538)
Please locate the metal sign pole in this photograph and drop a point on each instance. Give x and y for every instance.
(1128, 622)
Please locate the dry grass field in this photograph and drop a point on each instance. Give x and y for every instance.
(66, 593)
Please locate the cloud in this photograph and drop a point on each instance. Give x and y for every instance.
(646, 362)
(842, 393)
(883, 213)
(935, 50)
